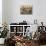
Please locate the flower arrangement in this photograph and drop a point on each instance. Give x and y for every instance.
(3, 34)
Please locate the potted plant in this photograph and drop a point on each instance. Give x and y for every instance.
(3, 34)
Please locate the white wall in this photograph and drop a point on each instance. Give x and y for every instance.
(15, 13)
(42, 11)
(12, 11)
(4, 11)
(0, 13)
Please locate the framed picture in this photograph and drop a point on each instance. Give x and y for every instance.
(26, 9)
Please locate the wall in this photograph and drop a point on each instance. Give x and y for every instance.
(42, 11)
(0, 13)
(15, 11)
(4, 12)
(12, 11)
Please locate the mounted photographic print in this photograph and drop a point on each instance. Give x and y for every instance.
(26, 9)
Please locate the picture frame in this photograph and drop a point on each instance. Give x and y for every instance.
(26, 9)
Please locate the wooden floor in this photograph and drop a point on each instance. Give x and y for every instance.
(2, 45)
(42, 45)
(32, 45)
